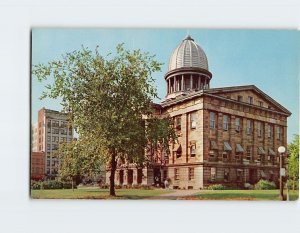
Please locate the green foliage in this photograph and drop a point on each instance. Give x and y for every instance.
(108, 99)
(160, 132)
(50, 184)
(293, 163)
(216, 187)
(77, 159)
(264, 185)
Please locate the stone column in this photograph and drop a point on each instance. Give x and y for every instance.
(199, 77)
(134, 180)
(182, 83)
(254, 140)
(173, 86)
(117, 177)
(219, 129)
(107, 175)
(191, 81)
(148, 176)
(231, 136)
(169, 86)
(125, 179)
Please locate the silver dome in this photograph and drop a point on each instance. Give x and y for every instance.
(188, 54)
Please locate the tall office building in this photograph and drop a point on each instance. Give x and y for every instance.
(34, 137)
(53, 127)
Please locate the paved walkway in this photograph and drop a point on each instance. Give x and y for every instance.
(179, 193)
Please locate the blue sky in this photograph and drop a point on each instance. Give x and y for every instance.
(268, 59)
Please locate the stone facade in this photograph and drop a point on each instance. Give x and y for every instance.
(226, 136)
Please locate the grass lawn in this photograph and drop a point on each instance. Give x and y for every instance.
(95, 193)
(241, 195)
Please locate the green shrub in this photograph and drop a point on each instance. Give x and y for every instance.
(51, 184)
(216, 187)
(35, 185)
(264, 185)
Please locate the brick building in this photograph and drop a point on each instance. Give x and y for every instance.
(225, 135)
(34, 137)
(37, 166)
(52, 128)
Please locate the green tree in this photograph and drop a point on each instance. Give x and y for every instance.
(79, 159)
(293, 162)
(108, 99)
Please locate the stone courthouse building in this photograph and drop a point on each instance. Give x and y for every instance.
(226, 135)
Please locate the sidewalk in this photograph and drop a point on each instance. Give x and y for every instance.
(179, 193)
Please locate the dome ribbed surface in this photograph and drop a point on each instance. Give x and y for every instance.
(188, 54)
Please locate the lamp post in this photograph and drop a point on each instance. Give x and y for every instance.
(281, 151)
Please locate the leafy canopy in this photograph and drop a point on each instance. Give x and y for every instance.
(293, 162)
(107, 98)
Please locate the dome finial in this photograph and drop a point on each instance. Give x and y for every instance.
(188, 37)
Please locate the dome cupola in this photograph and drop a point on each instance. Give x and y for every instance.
(188, 54)
(188, 69)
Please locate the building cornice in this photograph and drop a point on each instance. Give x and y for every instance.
(213, 91)
(188, 70)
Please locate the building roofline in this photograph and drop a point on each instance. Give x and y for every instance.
(249, 87)
(211, 91)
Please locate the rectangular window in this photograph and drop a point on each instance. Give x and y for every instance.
(270, 131)
(249, 153)
(165, 174)
(249, 127)
(176, 173)
(55, 131)
(225, 156)
(260, 104)
(54, 146)
(193, 150)
(193, 120)
(259, 129)
(279, 132)
(212, 120)
(55, 123)
(240, 98)
(226, 174)
(191, 173)
(250, 99)
(178, 123)
(49, 139)
(63, 124)
(239, 175)
(237, 125)
(225, 122)
(213, 173)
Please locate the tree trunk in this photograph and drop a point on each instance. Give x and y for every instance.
(112, 175)
(73, 184)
